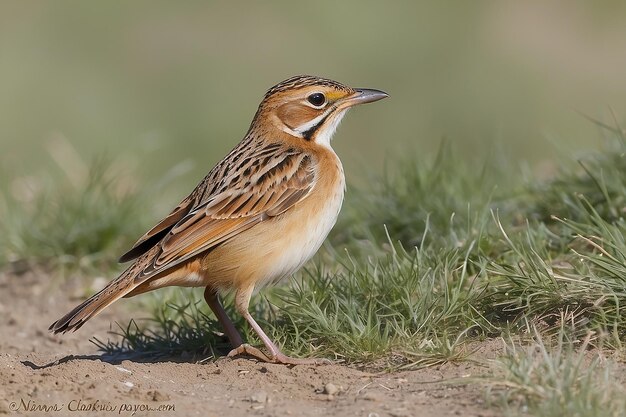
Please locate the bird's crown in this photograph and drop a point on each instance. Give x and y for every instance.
(301, 81)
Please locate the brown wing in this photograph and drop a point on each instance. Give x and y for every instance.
(155, 234)
(287, 178)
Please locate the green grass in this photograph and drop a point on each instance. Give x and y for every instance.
(445, 197)
(555, 378)
(597, 185)
(78, 220)
(67, 223)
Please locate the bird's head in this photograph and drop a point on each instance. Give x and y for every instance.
(310, 108)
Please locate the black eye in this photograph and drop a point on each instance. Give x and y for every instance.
(317, 99)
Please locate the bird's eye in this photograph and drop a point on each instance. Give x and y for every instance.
(316, 99)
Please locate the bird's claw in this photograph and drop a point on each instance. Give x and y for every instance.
(281, 358)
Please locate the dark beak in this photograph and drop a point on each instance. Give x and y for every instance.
(365, 95)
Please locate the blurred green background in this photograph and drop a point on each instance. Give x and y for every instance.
(153, 84)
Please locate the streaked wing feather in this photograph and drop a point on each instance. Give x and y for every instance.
(202, 236)
(225, 214)
(157, 232)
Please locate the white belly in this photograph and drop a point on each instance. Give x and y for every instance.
(301, 244)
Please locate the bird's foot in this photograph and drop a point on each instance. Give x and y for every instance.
(279, 357)
(247, 350)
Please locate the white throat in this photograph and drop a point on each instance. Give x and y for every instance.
(325, 133)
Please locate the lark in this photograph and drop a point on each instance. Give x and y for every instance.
(257, 217)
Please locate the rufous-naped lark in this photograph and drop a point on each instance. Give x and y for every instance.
(257, 217)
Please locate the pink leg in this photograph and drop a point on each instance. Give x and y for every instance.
(242, 300)
(212, 299)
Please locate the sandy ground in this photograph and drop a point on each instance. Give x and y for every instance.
(41, 374)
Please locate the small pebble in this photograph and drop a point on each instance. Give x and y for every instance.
(331, 389)
(119, 368)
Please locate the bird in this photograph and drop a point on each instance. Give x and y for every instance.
(258, 216)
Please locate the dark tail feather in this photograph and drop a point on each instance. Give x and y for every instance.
(91, 307)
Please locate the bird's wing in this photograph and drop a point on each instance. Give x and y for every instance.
(157, 233)
(271, 187)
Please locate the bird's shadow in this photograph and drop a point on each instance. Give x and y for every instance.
(70, 358)
(180, 344)
(118, 358)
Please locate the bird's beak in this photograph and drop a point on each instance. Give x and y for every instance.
(364, 95)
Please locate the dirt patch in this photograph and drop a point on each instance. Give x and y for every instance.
(41, 374)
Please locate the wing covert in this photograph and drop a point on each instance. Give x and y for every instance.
(276, 186)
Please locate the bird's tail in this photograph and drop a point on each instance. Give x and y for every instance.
(95, 304)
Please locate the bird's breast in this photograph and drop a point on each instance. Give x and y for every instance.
(279, 246)
(302, 230)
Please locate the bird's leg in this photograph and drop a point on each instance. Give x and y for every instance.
(212, 299)
(242, 300)
(210, 295)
